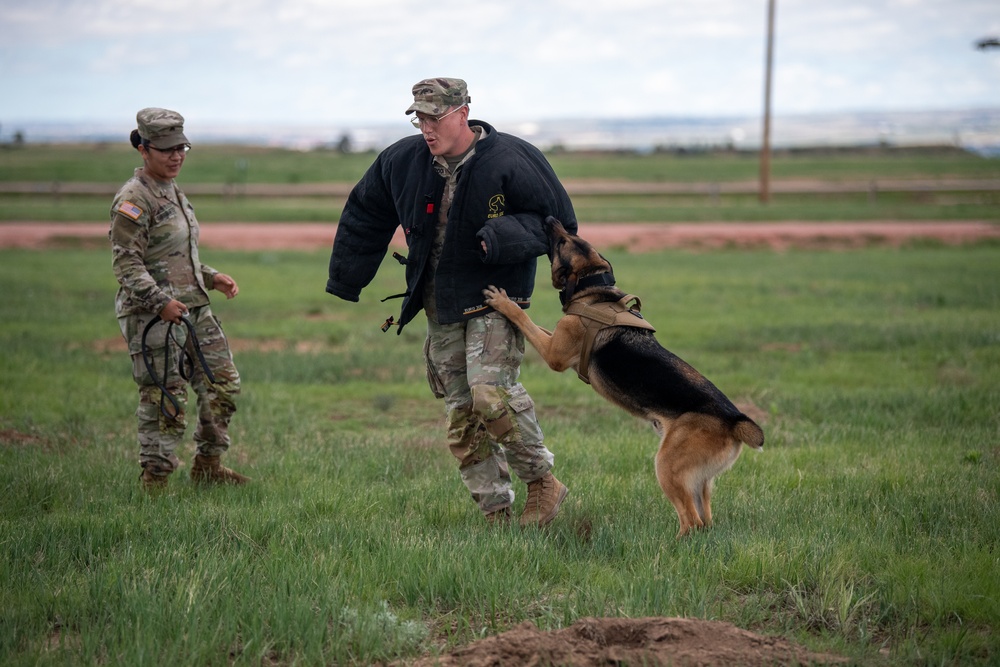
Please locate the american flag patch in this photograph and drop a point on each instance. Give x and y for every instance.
(129, 209)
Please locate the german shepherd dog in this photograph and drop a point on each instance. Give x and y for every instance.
(700, 429)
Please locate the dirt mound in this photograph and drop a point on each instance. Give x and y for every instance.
(591, 642)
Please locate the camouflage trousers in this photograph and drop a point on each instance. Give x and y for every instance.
(474, 366)
(161, 425)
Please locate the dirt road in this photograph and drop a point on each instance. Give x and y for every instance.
(636, 237)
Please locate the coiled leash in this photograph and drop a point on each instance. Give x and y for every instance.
(390, 322)
(185, 364)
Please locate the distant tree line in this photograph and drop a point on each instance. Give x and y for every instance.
(17, 139)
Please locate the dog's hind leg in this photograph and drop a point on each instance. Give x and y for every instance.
(693, 451)
(684, 502)
(680, 485)
(705, 502)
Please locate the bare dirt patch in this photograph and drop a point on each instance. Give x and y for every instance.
(635, 237)
(15, 438)
(593, 642)
(783, 235)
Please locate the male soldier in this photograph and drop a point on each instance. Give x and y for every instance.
(471, 201)
(154, 243)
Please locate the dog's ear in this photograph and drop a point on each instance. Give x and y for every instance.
(550, 226)
(561, 275)
(553, 225)
(569, 284)
(562, 268)
(555, 231)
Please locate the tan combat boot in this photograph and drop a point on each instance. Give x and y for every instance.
(499, 518)
(544, 497)
(152, 479)
(209, 470)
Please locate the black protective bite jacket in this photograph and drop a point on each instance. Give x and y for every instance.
(505, 192)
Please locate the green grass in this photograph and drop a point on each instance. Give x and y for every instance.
(92, 208)
(867, 527)
(606, 208)
(235, 165)
(832, 165)
(226, 163)
(231, 163)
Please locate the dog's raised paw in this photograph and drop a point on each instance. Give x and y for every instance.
(494, 295)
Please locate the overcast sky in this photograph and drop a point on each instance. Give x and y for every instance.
(337, 62)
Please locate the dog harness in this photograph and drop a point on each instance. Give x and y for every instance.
(605, 314)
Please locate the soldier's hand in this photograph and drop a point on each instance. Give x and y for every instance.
(226, 285)
(173, 311)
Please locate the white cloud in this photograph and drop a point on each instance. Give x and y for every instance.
(354, 60)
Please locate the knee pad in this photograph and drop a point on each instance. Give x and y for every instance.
(491, 404)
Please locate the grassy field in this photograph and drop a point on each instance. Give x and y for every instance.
(868, 526)
(230, 166)
(233, 163)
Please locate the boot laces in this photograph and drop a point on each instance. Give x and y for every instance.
(539, 488)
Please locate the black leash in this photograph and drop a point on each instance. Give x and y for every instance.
(185, 364)
(390, 320)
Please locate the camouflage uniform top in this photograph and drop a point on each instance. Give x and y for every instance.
(154, 244)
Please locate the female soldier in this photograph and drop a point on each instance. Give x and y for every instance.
(163, 310)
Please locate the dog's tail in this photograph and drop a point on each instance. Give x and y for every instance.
(746, 431)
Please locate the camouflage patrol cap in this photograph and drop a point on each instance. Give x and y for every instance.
(434, 96)
(162, 128)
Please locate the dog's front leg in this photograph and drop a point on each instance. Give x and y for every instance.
(545, 342)
(497, 299)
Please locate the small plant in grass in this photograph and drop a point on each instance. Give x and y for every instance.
(379, 634)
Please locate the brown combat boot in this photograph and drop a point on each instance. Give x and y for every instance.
(209, 470)
(499, 518)
(544, 497)
(152, 479)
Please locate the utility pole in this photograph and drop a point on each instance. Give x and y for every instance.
(765, 149)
